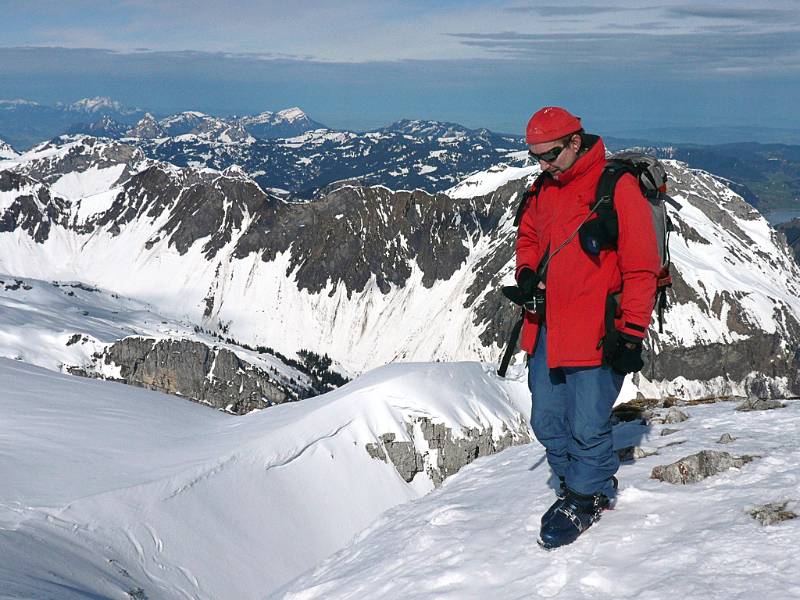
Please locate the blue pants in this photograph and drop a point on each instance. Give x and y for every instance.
(571, 417)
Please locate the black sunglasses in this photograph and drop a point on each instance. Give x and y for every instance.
(548, 156)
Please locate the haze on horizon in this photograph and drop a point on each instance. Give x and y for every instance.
(624, 68)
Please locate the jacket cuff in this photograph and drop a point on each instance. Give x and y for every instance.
(635, 330)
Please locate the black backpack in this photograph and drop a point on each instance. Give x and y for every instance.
(603, 231)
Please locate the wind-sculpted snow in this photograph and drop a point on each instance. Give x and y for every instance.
(115, 489)
(369, 275)
(476, 536)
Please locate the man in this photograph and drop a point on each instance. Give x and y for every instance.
(584, 331)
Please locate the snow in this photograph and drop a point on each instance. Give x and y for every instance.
(475, 536)
(11, 104)
(485, 182)
(38, 319)
(112, 488)
(290, 115)
(77, 185)
(6, 151)
(96, 104)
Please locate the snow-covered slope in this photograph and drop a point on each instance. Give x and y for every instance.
(74, 328)
(114, 489)
(474, 538)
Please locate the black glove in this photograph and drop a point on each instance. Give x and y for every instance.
(527, 282)
(532, 295)
(623, 352)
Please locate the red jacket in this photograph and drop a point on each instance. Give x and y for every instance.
(577, 282)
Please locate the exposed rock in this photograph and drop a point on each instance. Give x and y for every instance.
(754, 403)
(452, 452)
(697, 467)
(631, 453)
(726, 438)
(675, 443)
(193, 370)
(402, 455)
(670, 417)
(668, 431)
(774, 512)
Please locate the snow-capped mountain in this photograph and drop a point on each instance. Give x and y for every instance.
(191, 122)
(100, 104)
(432, 129)
(146, 128)
(105, 127)
(310, 161)
(6, 151)
(119, 492)
(370, 275)
(289, 122)
(24, 123)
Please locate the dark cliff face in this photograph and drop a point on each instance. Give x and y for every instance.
(357, 233)
(87, 153)
(209, 375)
(33, 210)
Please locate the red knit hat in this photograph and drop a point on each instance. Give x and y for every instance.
(551, 123)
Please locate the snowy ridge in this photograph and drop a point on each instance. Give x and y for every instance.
(64, 325)
(157, 513)
(6, 151)
(98, 104)
(287, 115)
(475, 536)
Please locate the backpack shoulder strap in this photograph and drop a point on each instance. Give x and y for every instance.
(531, 193)
(612, 173)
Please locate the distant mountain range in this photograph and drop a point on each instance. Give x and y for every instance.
(295, 156)
(24, 123)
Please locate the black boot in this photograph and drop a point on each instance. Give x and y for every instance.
(570, 517)
(561, 491)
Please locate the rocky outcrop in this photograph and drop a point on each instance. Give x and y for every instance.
(697, 467)
(669, 417)
(446, 453)
(774, 512)
(754, 403)
(209, 375)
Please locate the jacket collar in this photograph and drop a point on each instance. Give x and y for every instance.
(589, 160)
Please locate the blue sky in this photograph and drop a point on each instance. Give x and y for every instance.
(621, 66)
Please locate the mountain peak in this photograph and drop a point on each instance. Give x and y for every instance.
(291, 114)
(98, 104)
(17, 102)
(6, 151)
(146, 128)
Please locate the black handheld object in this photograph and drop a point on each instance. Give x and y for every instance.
(533, 302)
